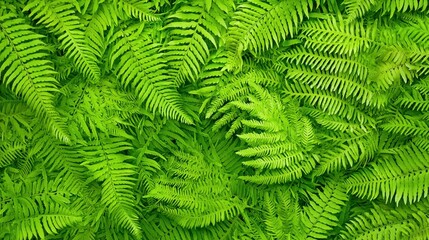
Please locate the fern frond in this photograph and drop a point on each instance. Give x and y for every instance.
(283, 214)
(276, 161)
(283, 175)
(387, 74)
(330, 63)
(415, 32)
(407, 125)
(87, 122)
(320, 215)
(344, 155)
(195, 191)
(191, 29)
(422, 143)
(342, 84)
(24, 68)
(393, 6)
(400, 176)
(358, 8)
(274, 222)
(14, 120)
(239, 87)
(332, 35)
(137, 9)
(140, 65)
(61, 159)
(335, 123)
(327, 102)
(107, 163)
(220, 211)
(268, 149)
(259, 25)
(414, 100)
(35, 209)
(380, 222)
(106, 16)
(59, 16)
(9, 152)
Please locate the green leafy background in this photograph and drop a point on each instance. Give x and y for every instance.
(214, 119)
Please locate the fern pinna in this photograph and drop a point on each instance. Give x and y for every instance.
(214, 119)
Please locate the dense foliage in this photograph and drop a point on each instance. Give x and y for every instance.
(214, 119)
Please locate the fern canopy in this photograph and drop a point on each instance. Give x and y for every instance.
(214, 119)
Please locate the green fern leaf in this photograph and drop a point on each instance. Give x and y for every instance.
(333, 35)
(195, 191)
(283, 175)
(407, 125)
(14, 120)
(259, 25)
(191, 29)
(400, 176)
(59, 16)
(9, 152)
(137, 9)
(106, 16)
(358, 8)
(140, 65)
(35, 209)
(25, 70)
(341, 84)
(239, 86)
(381, 222)
(335, 123)
(393, 6)
(320, 215)
(327, 102)
(331, 63)
(414, 100)
(357, 150)
(105, 160)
